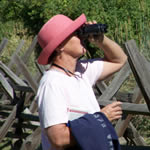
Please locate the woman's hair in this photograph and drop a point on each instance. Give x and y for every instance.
(55, 53)
(52, 57)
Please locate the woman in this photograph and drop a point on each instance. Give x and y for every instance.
(67, 86)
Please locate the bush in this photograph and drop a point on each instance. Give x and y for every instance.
(126, 19)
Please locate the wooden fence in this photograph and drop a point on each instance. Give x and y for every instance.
(18, 110)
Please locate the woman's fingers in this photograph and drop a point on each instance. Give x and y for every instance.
(113, 111)
(116, 103)
(91, 22)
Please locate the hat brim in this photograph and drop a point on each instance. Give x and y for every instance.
(52, 45)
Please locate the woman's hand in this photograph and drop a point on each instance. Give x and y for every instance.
(113, 111)
(95, 39)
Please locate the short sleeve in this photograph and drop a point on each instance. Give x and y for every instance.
(52, 105)
(93, 69)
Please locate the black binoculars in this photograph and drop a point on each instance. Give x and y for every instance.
(91, 29)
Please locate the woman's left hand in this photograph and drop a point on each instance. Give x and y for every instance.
(113, 111)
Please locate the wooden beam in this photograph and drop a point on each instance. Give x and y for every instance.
(116, 83)
(32, 141)
(137, 138)
(33, 107)
(8, 123)
(130, 108)
(21, 88)
(122, 124)
(140, 68)
(11, 75)
(11, 135)
(40, 68)
(6, 86)
(3, 45)
(5, 107)
(29, 51)
(101, 86)
(11, 62)
(26, 117)
(26, 73)
(124, 96)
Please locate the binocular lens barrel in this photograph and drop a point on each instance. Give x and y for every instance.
(92, 29)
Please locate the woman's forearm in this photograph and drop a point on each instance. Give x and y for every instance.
(112, 51)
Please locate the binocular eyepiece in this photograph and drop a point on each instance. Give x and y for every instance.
(91, 29)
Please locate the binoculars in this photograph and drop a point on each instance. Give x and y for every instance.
(91, 29)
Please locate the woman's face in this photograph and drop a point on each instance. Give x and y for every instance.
(72, 46)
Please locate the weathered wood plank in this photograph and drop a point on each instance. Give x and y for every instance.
(8, 123)
(12, 75)
(21, 88)
(101, 86)
(11, 62)
(137, 138)
(120, 96)
(5, 107)
(13, 136)
(122, 124)
(130, 108)
(3, 45)
(26, 117)
(116, 83)
(140, 69)
(40, 68)
(29, 51)
(6, 86)
(32, 141)
(23, 125)
(124, 96)
(25, 72)
(33, 107)
(28, 98)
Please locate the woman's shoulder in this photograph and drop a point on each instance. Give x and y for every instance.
(52, 77)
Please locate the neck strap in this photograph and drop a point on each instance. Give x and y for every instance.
(64, 69)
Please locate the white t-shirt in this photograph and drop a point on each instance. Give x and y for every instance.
(60, 94)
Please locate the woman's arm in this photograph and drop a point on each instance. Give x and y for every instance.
(114, 58)
(60, 136)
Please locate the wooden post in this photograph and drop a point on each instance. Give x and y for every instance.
(6, 86)
(115, 84)
(123, 124)
(11, 62)
(11, 75)
(140, 68)
(25, 72)
(32, 141)
(8, 123)
(29, 50)
(3, 45)
(130, 108)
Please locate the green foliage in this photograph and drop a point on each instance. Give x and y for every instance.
(126, 19)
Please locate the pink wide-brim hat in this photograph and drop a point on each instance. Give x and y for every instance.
(54, 32)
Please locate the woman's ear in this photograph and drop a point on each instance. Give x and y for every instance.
(60, 48)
